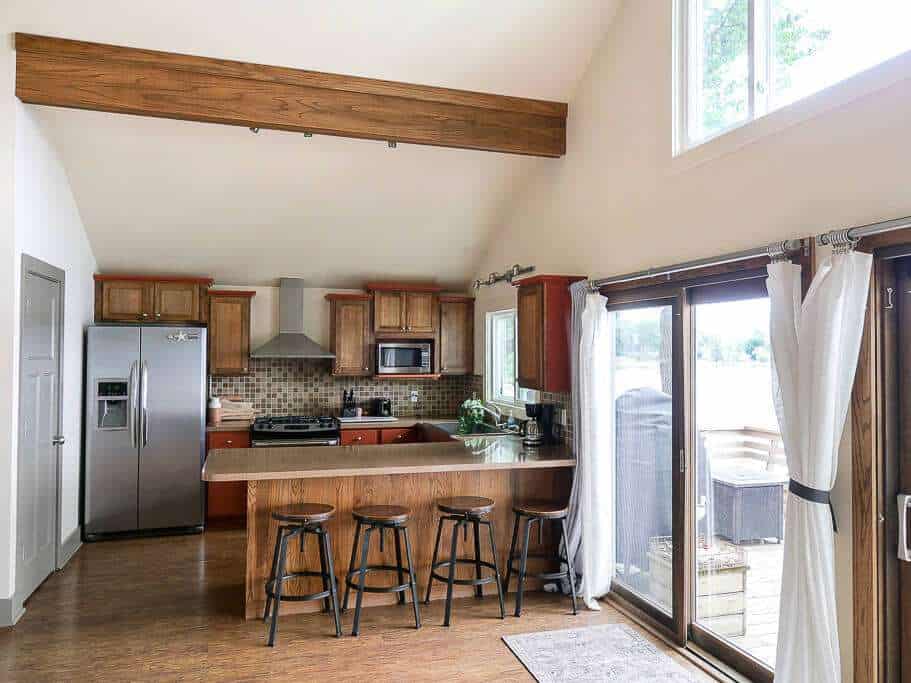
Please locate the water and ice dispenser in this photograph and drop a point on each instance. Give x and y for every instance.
(112, 396)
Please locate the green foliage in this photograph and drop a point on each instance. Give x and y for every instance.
(725, 75)
(471, 414)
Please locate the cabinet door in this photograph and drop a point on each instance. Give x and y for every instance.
(177, 301)
(360, 437)
(226, 500)
(456, 338)
(126, 300)
(530, 324)
(408, 435)
(351, 338)
(229, 335)
(419, 315)
(388, 312)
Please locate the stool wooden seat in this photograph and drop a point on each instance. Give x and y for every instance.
(384, 514)
(542, 509)
(302, 520)
(465, 511)
(305, 513)
(465, 505)
(539, 512)
(378, 518)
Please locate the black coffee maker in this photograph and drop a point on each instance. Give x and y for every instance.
(382, 407)
(540, 427)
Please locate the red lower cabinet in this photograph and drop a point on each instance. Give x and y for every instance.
(226, 501)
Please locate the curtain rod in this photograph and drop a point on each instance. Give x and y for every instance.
(774, 250)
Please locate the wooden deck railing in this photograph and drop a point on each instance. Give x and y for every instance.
(753, 447)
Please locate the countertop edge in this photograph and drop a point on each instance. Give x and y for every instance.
(382, 471)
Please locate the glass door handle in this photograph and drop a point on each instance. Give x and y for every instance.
(904, 502)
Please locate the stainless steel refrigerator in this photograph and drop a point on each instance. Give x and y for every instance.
(145, 429)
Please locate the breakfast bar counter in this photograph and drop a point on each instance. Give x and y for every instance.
(413, 475)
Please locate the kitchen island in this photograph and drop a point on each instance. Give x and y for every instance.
(414, 475)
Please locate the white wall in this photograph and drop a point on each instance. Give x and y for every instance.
(618, 201)
(48, 227)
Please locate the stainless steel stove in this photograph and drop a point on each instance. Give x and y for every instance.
(295, 430)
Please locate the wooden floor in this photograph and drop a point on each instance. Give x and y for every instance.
(171, 609)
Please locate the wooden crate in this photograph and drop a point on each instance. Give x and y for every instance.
(720, 583)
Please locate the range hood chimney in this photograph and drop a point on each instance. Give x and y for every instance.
(291, 341)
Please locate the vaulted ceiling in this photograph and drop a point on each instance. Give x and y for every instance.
(180, 197)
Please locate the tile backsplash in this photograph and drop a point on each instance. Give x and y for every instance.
(308, 387)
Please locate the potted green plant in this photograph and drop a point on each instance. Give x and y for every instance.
(471, 414)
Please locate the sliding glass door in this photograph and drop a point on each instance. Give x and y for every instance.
(647, 439)
(740, 475)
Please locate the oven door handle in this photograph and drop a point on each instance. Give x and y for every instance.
(293, 443)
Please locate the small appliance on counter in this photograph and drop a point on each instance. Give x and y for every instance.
(382, 407)
(540, 427)
(349, 409)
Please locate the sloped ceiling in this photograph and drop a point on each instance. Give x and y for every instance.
(188, 198)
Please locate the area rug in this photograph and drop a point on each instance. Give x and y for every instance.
(612, 652)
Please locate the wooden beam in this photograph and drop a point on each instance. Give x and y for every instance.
(123, 80)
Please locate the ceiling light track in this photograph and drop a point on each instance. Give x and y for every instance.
(507, 276)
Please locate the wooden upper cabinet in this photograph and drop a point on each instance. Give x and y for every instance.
(419, 313)
(456, 335)
(351, 338)
(229, 332)
(132, 298)
(389, 312)
(124, 300)
(404, 310)
(176, 301)
(543, 309)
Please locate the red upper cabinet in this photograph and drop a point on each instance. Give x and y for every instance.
(543, 310)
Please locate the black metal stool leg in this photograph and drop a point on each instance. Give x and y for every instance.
(569, 564)
(322, 566)
(496, 564)
(411, 579)
(361, 581)
(398, 563)
(277, 587)
(278, 544)
(452, 568)
(333, 586)
(436, 551)
(479, 593)
(520, 589)
(357, 537)
(512, 551)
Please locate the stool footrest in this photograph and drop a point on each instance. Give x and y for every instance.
(322, 595)
(351, 579)
(546, 576)
(465, 582)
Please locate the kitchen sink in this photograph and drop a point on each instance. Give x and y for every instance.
(479, 430)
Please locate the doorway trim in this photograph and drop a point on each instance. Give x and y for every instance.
(32, 265)
(869, 436)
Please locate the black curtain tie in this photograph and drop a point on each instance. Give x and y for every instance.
(813, 496)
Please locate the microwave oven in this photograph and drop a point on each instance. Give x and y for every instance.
(403, 358)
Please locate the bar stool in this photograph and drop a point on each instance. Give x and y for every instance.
(539, 512)
(301, 520)
(379, 518)
(465, 511)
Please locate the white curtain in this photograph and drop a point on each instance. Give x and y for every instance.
(815, 347)
(591, 506)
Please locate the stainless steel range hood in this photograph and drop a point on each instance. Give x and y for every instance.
(291, 341)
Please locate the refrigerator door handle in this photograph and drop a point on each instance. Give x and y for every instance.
(145, 404)
(132, 405)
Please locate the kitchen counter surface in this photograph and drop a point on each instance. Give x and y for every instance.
(229, 426)
(398, 423)
(482, 453)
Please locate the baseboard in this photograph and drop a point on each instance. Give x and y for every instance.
(68, 548)
(11, 610)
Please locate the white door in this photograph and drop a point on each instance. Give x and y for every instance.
(39, 424)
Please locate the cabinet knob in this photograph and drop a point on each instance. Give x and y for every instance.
(145, 315)
(366, 368)
(229, 443)
(158, 315)
(359, 438)
(400, 437)
(245, 368)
